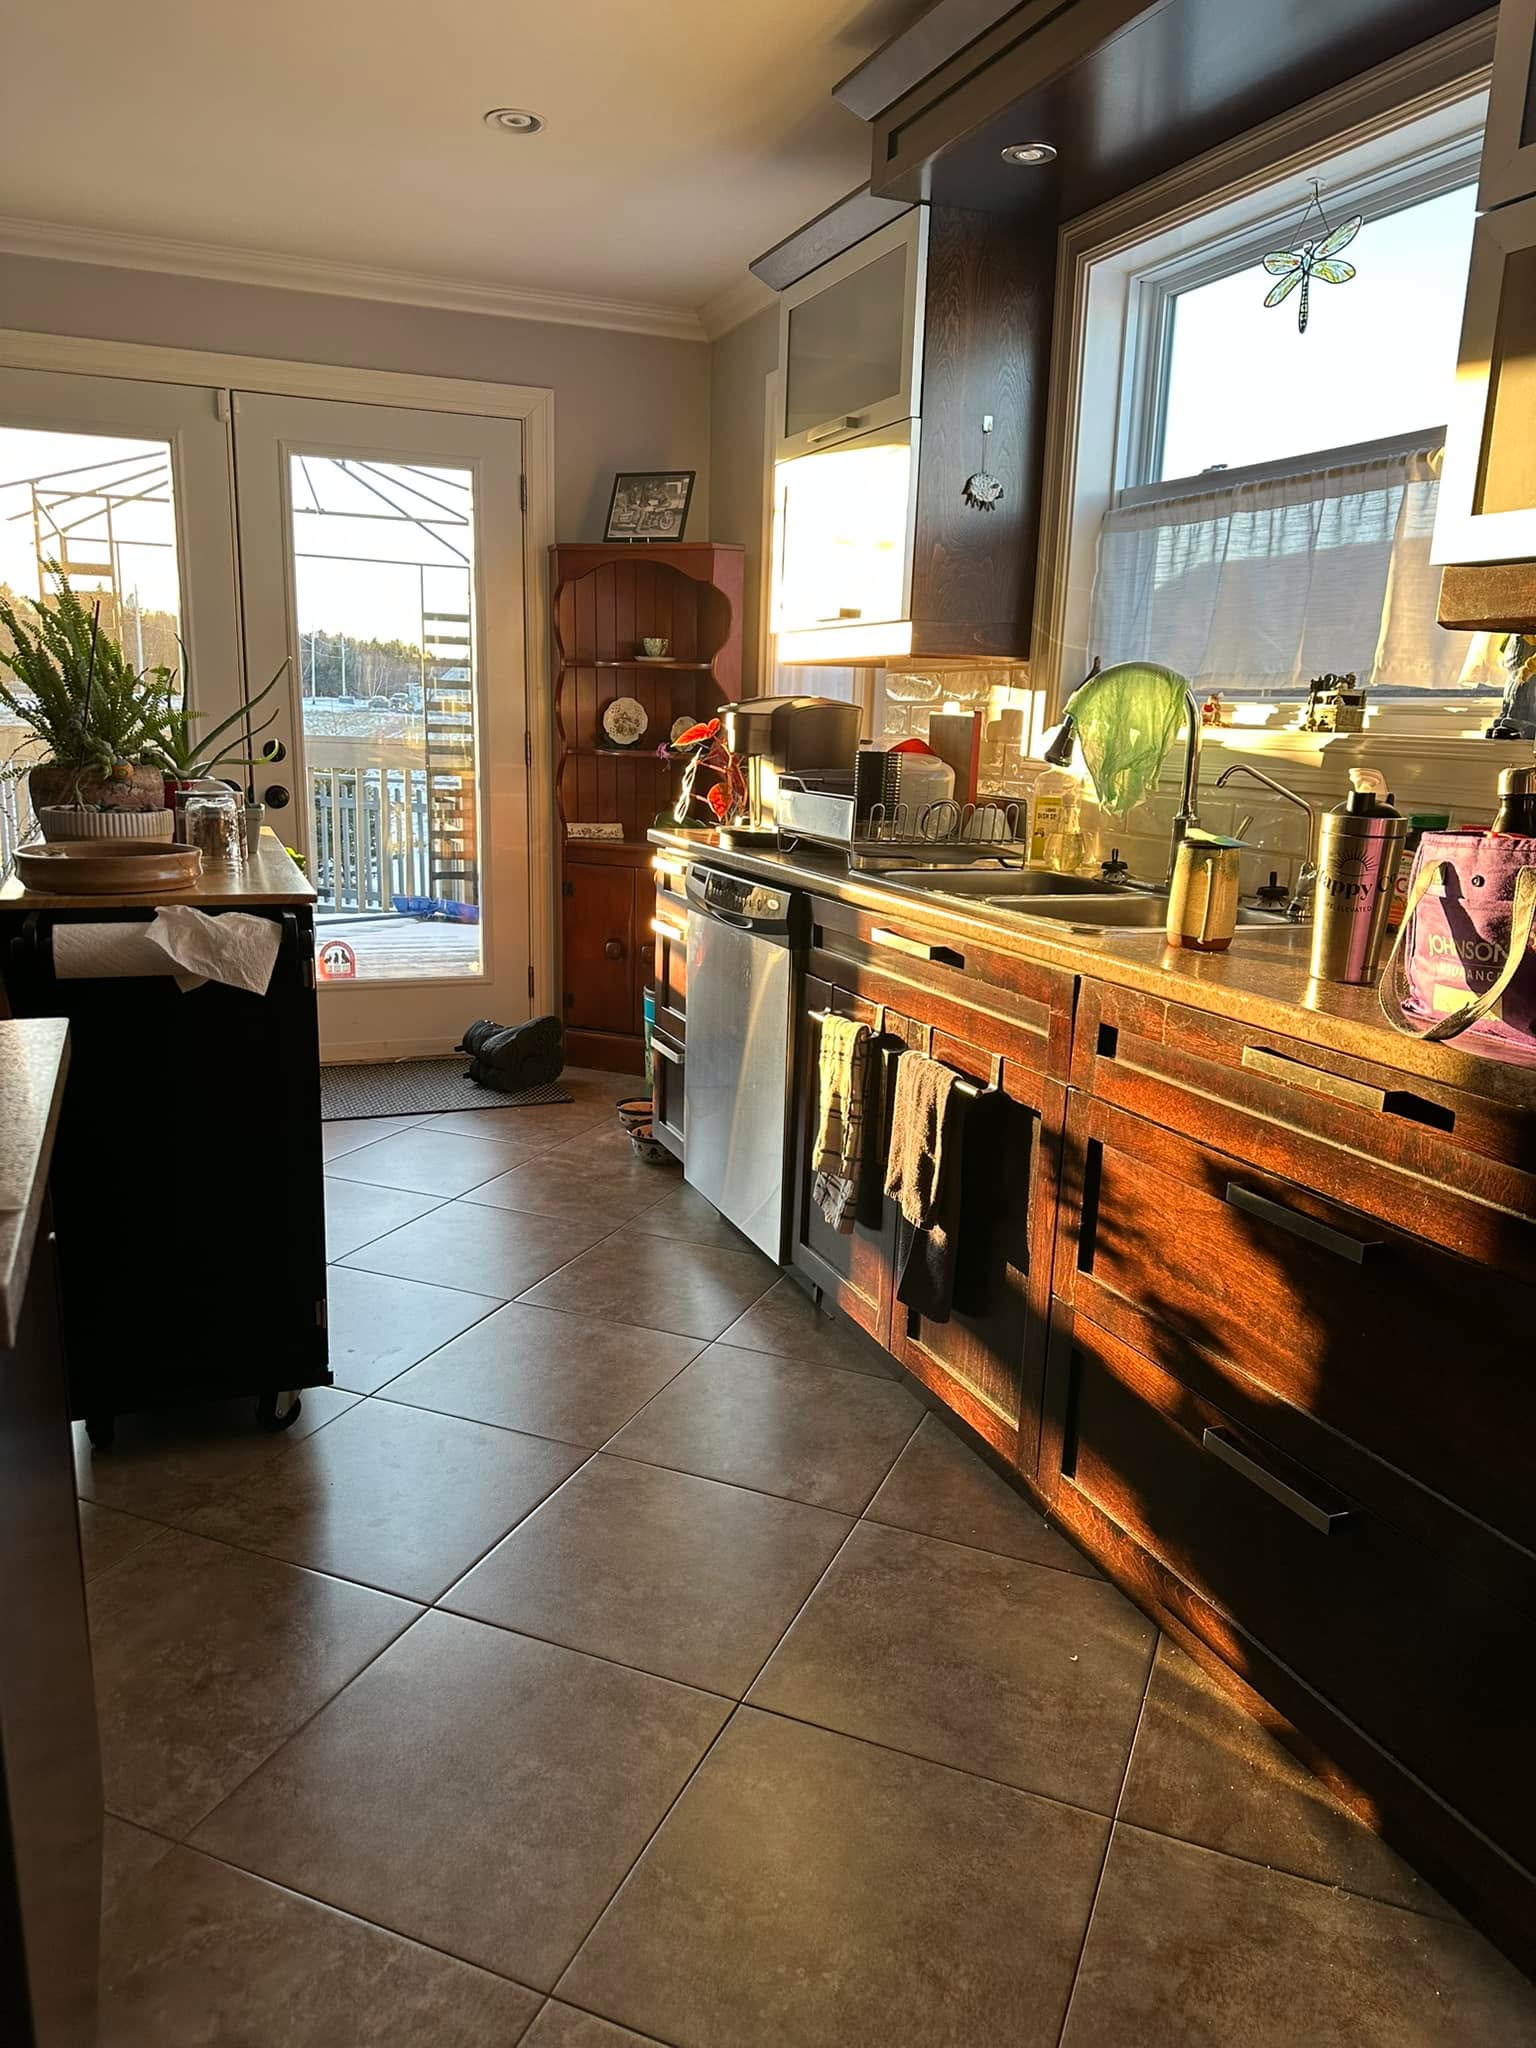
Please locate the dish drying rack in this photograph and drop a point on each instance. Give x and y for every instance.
(890, 833)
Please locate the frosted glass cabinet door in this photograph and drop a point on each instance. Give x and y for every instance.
(1509, 141)
(850, 340)
(842, 548)
(1487, 509)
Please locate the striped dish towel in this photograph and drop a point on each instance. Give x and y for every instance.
(842, 1062)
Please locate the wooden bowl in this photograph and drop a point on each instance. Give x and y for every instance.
(108, 867)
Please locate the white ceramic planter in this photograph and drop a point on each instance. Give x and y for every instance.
(69, 821)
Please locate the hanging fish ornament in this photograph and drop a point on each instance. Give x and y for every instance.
(981, 490)
(1311, 258)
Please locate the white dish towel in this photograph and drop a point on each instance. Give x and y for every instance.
(233, 947)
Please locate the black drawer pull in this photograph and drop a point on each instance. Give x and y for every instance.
(1323, 1520)
(946, 956)
(1355, 1249)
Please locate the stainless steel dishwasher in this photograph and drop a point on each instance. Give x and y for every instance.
(744, 941)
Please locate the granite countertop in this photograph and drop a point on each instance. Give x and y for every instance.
(1262, 980)
(33, 1056)
(271, 879)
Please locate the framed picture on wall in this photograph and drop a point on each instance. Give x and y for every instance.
(650, 504)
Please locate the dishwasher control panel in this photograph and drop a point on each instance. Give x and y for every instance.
(754, 906)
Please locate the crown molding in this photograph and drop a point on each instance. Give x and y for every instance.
(737, 303)
(228, 265)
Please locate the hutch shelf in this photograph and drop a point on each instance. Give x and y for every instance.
(606, 601)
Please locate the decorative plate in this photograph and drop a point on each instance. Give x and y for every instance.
(680, 726)
(624, 721)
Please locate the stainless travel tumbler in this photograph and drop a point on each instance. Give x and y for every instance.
(1359, 848)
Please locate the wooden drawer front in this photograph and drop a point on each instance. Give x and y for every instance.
(1423, 1656)
(989, 1365)
(668, 1060)
(1390, 1342)
(853, 1270)
(1157, 1057)
(951, 967)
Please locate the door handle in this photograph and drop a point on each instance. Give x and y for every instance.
(665, 1052)
(1339, 1242)
(614, 950)
(1315, 1080)
(1323, 1520)
(833, 428)
(277, 796)
(898, 942)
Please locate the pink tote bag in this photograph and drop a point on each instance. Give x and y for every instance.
(1462, 965)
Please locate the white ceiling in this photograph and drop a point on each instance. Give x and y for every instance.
(683, 137)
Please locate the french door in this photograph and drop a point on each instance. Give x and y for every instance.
(379, 551)
(381, 557)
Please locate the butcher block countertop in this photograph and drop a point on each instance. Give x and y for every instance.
(33, 1056)
(1261, 981)
(270, 880)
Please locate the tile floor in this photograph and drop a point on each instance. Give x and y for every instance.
(618, 1654)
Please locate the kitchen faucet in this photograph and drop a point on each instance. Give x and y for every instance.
(1299, 907)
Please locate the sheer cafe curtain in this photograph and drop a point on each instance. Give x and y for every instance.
(1254, 588)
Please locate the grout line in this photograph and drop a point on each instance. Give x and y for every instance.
(1109, 1839)
(1042, 1564)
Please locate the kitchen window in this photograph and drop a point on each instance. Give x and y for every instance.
(1250, 504)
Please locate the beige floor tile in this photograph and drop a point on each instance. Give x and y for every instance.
(802, 1431)
(128, 1855)
(788, 1323)
(432, 1162)
(379, 1324)
(681, 1576)
(208, 1957)
(108, 1536)
(1207, 1772)
(562, 1183)
(811, 1890)
(694, 1290)
(562, 2026)
(168, 1462)
(206, 1658)
(939, 1486)
(355, 1213)
(548, 1372)
(348, 1134)
(551, 1123)
(404, 1499)
(475, 1790)
(686, 1214)
(1190, 1949)
(479, 1249)
(1054, 1666)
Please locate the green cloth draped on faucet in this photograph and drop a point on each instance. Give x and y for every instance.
(1126, 718)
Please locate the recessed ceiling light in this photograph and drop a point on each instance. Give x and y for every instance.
(1029, 153)
(514, 120)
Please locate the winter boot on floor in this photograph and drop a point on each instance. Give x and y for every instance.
(511, 1057)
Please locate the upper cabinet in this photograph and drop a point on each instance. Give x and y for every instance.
(1509, 146)
(1487, 510)
(850, 340)
(911, 365)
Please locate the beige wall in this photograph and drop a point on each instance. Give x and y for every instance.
(622, 401)
(739, 363)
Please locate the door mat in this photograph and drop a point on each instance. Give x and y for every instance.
(417, 1088)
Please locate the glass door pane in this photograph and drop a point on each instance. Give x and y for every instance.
(384, 576)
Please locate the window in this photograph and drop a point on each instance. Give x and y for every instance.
(1273, 500)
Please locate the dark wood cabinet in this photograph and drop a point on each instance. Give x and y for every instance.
(607, 600)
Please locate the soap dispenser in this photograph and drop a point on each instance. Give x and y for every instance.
(1359, 847)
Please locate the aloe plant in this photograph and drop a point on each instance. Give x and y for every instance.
(88, 709)
(185, 755)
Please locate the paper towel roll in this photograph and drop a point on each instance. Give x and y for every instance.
(107, 952)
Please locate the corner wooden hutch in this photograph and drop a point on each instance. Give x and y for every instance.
(605, 600)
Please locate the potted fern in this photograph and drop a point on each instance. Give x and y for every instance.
(92, 719)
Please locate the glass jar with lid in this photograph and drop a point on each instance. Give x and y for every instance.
(215, 825)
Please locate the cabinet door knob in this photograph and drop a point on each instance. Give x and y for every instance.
(614, 950)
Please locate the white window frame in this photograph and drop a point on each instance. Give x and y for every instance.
(1405, 131)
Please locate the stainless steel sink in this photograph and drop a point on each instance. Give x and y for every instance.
(1128, 910)
(992, 885)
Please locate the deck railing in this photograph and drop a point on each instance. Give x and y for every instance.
(371, 822)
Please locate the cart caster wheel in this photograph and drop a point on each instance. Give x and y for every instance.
(278, 1411)
(102, 1431)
